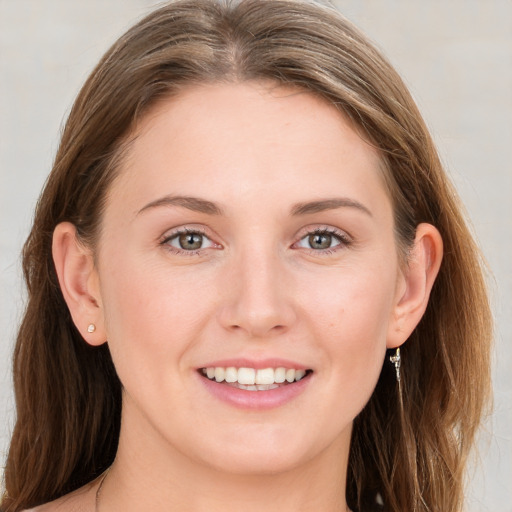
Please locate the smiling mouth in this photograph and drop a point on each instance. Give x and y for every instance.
(252, 379)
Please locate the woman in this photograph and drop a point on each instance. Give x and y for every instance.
(250, 284)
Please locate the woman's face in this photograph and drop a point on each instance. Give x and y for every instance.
(249, 228)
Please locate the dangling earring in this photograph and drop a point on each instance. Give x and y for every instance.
(397, 361)
(91, 328)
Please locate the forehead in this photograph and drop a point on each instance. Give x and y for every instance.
(235, 140)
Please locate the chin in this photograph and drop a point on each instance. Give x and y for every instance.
(264, 464)
(265, 454)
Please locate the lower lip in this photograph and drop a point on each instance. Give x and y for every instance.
(256, 400)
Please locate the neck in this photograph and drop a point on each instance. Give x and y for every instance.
(156, 476)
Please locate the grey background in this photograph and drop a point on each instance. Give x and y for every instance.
(455, 55)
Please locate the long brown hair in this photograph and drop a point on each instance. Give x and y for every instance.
(68, 396)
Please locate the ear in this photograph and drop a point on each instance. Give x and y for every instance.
(415, 284)
(79, 282)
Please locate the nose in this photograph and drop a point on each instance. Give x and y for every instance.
(257, 296)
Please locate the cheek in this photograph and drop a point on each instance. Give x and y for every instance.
(356, 307)
(152, 316)
(351, 322)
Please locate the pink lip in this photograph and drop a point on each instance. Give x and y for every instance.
(255, 400)
(257, 364)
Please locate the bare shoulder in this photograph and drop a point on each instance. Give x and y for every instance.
(81, 500)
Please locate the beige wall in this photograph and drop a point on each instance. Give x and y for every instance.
(456, 56)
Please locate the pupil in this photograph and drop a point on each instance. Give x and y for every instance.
(320, 241)
(191, 241)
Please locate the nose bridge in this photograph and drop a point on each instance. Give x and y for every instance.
(259, 303)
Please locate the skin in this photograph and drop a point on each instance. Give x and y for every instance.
(256, 289)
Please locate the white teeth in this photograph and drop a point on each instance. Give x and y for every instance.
(265, 376)
(251, 379)
(219, 374)
(265, 387)
(280, 375)
(231, 374)
(299, 374)
(246, 375)
(255, 387)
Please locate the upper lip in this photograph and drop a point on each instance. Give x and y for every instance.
(255, 363)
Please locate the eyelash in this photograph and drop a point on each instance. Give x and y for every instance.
(185, 231)
(343, 239)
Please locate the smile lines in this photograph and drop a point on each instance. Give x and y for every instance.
(252, 379)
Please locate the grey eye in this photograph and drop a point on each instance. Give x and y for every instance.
(190, 241)
(320, 241)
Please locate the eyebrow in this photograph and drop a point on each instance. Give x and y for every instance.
(195, 204)
(328, 204)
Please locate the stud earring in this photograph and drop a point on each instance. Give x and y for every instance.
(91, 328)
(397, 361)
